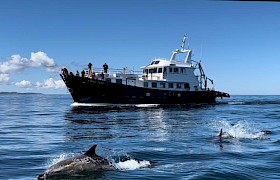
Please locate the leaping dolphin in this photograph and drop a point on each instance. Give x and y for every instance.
(89, 161)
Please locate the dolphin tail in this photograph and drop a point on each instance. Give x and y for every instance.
(221, 133)
(91, 151)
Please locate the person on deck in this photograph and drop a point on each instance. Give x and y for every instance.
(105, 67)
(102, 76)
(89, 69)
(83, 73)
(77, 73)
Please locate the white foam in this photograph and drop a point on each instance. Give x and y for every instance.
(132, 164)
(146, 105)
(236, 103)
(240, 130)
(56, 160)
(76, 104)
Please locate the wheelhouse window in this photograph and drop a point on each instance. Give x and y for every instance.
(154, 70)
(146, 84)
(176, 70)
(164, 69)
(170, 85)
(170, 70)
(159, 70)
(154, 84)
(154, 62)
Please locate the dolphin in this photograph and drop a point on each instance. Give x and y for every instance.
(221, 133)
(224, 135)
(89, 161)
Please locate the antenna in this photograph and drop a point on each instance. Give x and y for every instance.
(183, 42)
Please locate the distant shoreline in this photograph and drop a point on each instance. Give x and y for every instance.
(18, 93)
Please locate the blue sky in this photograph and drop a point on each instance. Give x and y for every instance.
(238, 42)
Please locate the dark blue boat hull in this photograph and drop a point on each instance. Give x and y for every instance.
(85, 90)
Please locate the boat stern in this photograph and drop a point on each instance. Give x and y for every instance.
(221, 94)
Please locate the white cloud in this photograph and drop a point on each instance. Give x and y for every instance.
(14, 64)
(17, 63)
(41, 59)
(4, 78)
(23, 84)
(51, 84)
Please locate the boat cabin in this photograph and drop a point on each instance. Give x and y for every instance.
(175, 74)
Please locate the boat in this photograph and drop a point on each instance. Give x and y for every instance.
(163, 81)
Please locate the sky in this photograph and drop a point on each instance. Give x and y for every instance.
(237, 42)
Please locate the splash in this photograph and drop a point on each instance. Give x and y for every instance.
(132, 164)
(58, 159)
(240, 130)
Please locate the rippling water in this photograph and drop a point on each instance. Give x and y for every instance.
(178, 142)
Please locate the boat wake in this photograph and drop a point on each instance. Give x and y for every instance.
(76, 104)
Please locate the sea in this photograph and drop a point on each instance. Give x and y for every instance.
(142, 141)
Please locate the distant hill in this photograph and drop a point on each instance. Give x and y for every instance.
(18, 93)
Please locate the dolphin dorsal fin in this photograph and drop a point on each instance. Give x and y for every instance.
(91, 151)
(221, 133)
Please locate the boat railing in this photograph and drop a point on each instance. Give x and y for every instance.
(95, 72)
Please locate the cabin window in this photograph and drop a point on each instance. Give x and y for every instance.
(146, 84)
(187, 86)
(154, 84)
(182, 70)
(146, 71)
(108, 79)
(154, 70)
(164, 69)
(176, 70)
(170, 70)
(162, 85)
(159, 70)
(179, 85)
(119, 81)
(170, 85)
(154, 62)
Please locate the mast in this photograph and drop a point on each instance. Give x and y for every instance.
(183, 42)
(182, 50)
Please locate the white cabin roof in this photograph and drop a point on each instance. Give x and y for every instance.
(166, 63)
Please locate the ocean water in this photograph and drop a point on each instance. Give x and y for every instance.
(144, 142)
